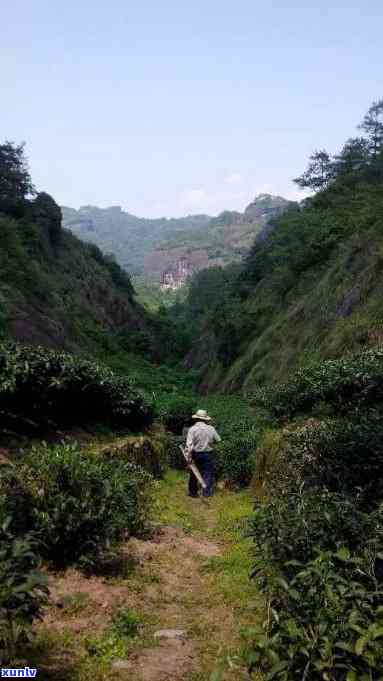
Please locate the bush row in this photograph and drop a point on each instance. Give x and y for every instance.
(23, 591)
(319, 538)
(319, 564)
(341, 455)
(50, 388)
(76, 505)
(68, 508)
(343, 384)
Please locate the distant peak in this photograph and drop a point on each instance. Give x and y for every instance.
(271, 199)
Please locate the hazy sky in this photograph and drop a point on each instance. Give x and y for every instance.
(169, 108)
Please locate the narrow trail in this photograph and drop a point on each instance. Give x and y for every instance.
(190, 577)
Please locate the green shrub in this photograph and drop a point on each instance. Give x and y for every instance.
(319, 564)
(176, 458)
(80, 505)
(341, 383)
(325, 623)
(117, 639)
(126, 622)
(296, 526)
(342, 455)
(52, 387)
(235, 458)
(175, 411)
(23, 592)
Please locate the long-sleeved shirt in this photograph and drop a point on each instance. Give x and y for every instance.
(201, 437)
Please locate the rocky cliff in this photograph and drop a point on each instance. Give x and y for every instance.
(153, 247)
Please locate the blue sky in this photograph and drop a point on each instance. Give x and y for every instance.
(170, 108)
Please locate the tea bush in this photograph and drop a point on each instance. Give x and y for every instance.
(342, 455)
(175, 411)
(342, 384)
(293, 527)
(55, 388)
(319, 564)
(235, 458)
(325, 624)
(23, 592)
(80, 504)
(176, 458)
(319, 539)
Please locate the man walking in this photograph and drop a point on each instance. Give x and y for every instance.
(200, 438)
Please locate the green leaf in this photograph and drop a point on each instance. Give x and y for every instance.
(360, 645)
(344, 646)
(274, 671)
(216, 676)
(343, 553)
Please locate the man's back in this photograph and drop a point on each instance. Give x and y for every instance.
(201, 437)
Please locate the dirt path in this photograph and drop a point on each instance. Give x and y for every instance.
(188, 583)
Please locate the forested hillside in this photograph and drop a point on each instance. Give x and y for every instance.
(56, 290)
(148, 247)
(312, 287)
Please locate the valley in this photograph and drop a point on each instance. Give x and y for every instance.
(106, 566)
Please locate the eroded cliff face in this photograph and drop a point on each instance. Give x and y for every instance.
(153, 247)
(176, 276)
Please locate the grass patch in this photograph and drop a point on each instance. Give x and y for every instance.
(75, 603)
(172, 506)
(230, 571)
(72, 657)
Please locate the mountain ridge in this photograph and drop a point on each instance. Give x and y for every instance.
(150, 246)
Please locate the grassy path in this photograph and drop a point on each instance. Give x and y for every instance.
(191, 575)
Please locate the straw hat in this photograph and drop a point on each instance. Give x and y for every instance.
(201, 415)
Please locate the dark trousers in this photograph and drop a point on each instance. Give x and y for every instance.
(205, 465)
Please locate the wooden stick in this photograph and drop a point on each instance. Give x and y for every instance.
(194, 469)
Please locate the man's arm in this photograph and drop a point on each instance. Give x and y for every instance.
(217, 438)
(189, 443)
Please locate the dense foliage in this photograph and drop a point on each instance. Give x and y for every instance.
(15, 180)
(77, 505)
(57, 291)
(342, 384)
(51, 388)
(23, 590)
(319, 557)
(68, 507)
(325, 621)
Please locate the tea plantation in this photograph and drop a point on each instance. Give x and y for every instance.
(318, 528)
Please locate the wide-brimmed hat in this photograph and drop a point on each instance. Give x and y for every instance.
(201, 415)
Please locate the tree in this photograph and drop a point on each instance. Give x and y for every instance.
(47, 214)
(319, 172)
(15, 180)
(353, 158)
(372, 125)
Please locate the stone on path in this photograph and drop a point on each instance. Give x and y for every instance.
(121, 664)
(170, 633)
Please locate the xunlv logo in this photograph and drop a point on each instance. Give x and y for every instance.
(25, 673)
